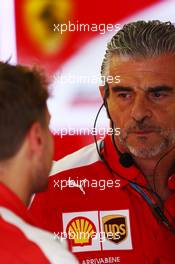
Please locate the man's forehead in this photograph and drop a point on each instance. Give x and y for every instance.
(164, 64)
(156, 88)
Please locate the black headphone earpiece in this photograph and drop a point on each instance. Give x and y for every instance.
(126, 160)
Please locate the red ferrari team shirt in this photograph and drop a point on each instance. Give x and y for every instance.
(104, 218)
(20, 241)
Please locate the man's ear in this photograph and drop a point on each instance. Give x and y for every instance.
(35, 138)
(102, 90)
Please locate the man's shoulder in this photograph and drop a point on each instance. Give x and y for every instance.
(39, 243)
(12, 233)
(83, 157)
(12, 239)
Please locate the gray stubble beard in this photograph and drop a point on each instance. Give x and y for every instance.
(148, 152)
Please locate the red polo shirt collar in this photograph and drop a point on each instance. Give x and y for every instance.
(11, 201)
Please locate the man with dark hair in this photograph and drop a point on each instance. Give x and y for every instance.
(135, 211)
(26, 150)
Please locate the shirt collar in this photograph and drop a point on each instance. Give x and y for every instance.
(12, 202)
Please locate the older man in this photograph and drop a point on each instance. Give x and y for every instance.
(131, 219)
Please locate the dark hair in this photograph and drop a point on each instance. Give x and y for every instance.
(141, 38)
(23, 96)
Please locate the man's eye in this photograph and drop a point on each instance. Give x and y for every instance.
(124, 95)
(158, 94)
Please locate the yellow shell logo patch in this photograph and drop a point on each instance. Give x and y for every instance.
(81, 230)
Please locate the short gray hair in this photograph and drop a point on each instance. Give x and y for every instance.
(141, 38)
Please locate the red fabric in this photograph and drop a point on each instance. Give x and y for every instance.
(152, 243)
(69, 144)
(14, 246)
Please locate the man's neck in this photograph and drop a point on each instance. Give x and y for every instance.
(10, 175)
(147, 167)
(23, 195)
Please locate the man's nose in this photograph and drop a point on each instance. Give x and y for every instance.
(140, 109)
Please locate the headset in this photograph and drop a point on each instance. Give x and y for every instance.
(126, 160)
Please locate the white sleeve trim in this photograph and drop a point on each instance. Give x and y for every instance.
(83, 157)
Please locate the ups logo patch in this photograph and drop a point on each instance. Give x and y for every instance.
(115, 228)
